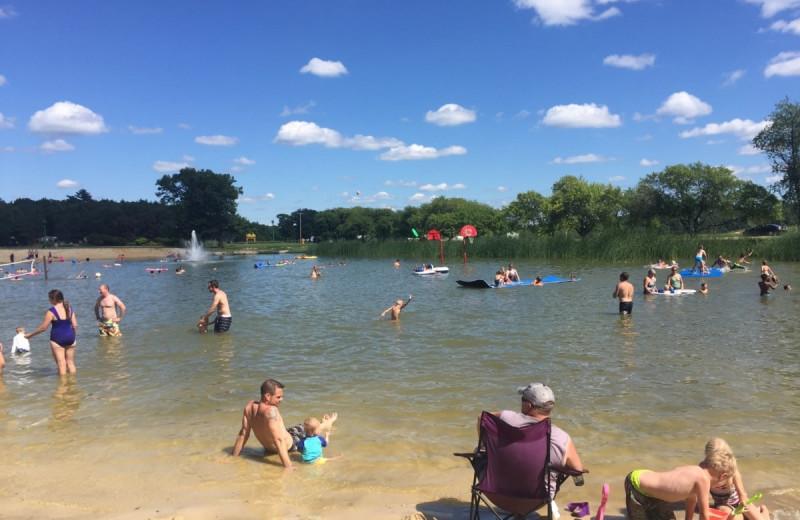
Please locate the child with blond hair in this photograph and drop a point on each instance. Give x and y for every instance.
(20, 344)
(731, 493)
(311, 446)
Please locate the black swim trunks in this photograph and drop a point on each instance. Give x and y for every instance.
(626, 307)
(222, 323)
(298, 434)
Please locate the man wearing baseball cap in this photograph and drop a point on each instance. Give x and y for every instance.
(537, 403)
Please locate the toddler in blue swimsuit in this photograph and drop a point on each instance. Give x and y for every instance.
(311, 446)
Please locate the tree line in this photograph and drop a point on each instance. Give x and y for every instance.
(684, 198)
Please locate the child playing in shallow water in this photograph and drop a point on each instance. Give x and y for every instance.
(20, 344)
(311, 446)
(728, 495)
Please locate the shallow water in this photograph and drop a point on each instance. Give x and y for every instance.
(143, 429)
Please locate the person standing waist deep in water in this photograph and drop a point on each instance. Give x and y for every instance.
(624, 291)
(220, 304)
(62, 334)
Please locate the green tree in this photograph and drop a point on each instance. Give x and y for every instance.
(204, 201)
(580, 206)
(695, 197)
(387, 223)
(328, 222)
(780, 140)
(753, 204)
(530, 211)
(358, 224)
(81, 195)
(448, 216)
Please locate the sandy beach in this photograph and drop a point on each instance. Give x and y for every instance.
(93, 253)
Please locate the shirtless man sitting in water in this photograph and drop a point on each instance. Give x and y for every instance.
(264, 419)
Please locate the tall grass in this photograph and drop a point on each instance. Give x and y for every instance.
(606, 247)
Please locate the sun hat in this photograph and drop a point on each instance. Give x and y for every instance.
(537, 394)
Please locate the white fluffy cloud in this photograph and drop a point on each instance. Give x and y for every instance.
(167, 166)
(2, 80)
(58, 145)
(323, 68)
(367, 142)
(66, 118)
(581, 116)
(421, 198)
(442, 186)
(566, 12)
(784, 64)
(629, 61)
(787, 27)
(577, 159)
(68, 184)
(244, 160)
(303, 133)
(417, 151)
(648, 162)
(450, 114)
(770, 8)
(684, 107)
(742, 128)
(216, 140)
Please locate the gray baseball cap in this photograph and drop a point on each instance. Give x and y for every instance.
(537, 394)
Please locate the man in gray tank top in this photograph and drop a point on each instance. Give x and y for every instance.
(537, 404)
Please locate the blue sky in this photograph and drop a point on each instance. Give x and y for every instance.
(322, 104)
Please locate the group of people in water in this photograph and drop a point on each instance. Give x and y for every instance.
(510, 275)
(108, 310)
(624, 290)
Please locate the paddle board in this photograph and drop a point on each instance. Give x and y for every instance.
(677, 292)
(483, 284)
(712, 273)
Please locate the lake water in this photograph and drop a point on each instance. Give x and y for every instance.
(144, 428)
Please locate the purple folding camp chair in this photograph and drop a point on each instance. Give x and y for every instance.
(513, 469)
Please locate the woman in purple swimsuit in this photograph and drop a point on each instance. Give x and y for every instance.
(62, 335)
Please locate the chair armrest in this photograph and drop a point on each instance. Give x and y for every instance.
(467, 455)
(570, 472)
(576, 474)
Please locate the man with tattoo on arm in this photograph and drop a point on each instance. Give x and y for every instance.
(264, 419)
